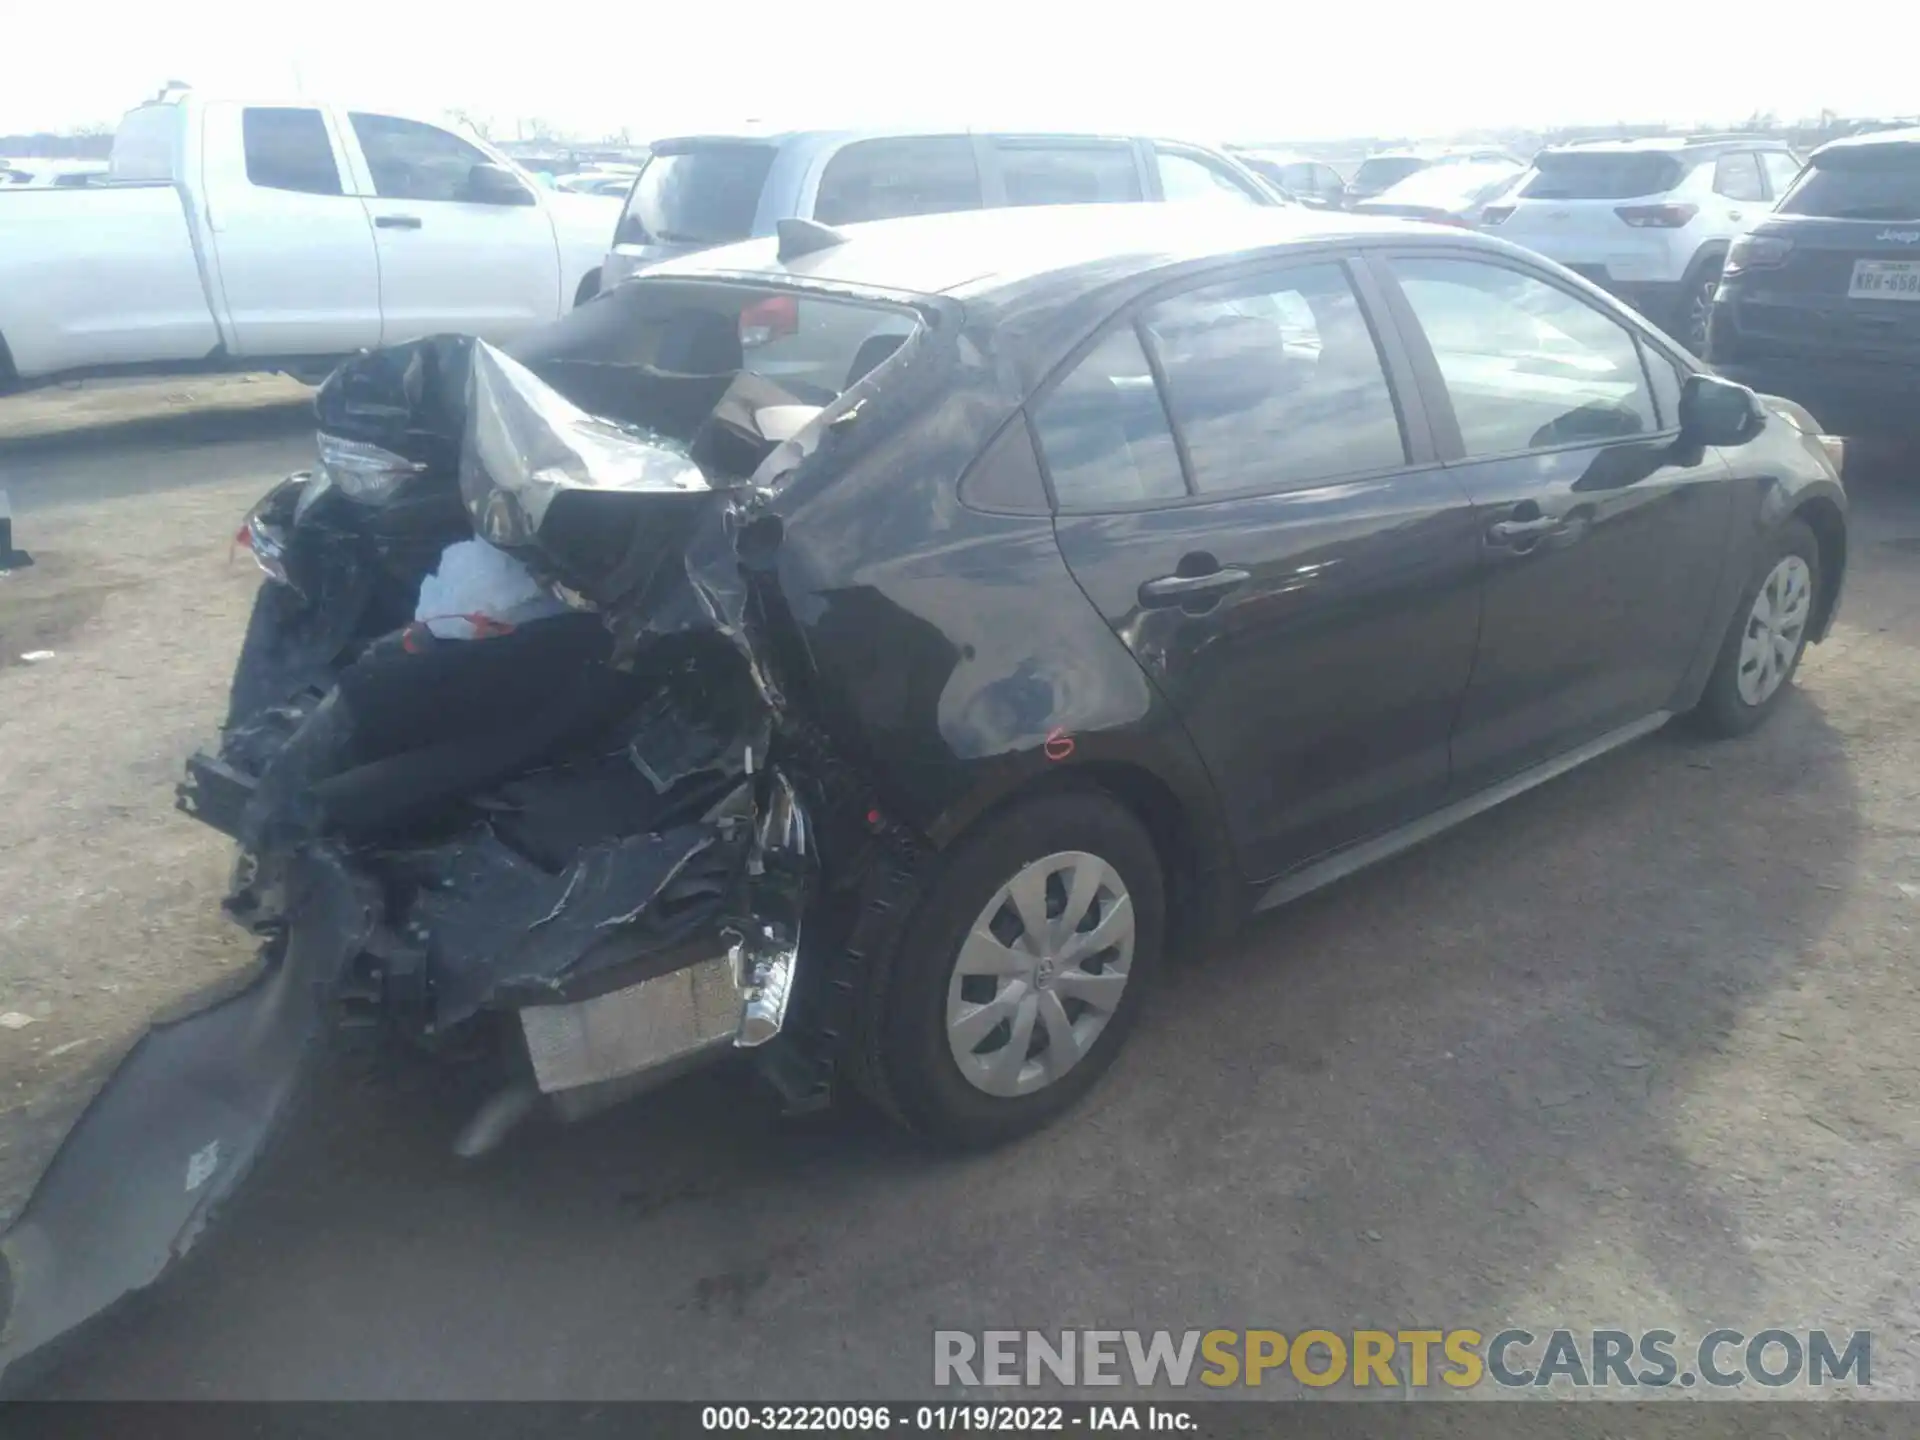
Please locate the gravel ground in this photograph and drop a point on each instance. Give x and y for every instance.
(1638, 1050)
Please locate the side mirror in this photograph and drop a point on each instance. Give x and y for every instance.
(1714, 411)
(495, 185)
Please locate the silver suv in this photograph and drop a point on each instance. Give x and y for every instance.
(702, 190)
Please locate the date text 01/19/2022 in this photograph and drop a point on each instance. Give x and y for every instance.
(947, 1419)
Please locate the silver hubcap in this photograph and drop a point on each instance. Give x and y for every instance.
(1775, 626)
(1040, 974)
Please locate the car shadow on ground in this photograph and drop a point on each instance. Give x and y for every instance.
(1468, 1083)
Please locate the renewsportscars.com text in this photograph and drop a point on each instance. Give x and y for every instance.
(1415, 1359)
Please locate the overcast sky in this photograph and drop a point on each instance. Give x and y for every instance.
(1199, 68)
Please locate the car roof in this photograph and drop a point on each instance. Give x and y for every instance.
(1666, 144)
(775, 135)
(1867, 139)
(976, 252)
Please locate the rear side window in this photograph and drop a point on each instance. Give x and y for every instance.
(1526, 365)
(701, 196)
(1738, 177)
(1275, 382)
(1038, 173)
(1880, 182)
(288, 149)
(1104, 433)
(1185, 176)
(411, 161)
(1600, 176)
(881, 179)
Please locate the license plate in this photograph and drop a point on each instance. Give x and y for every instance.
(1885, 280)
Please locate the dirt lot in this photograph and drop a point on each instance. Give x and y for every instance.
(1639, 1049)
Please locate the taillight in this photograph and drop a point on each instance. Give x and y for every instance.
(768, 319)
(1657, 217)
(1757, 252)
(1495, 214)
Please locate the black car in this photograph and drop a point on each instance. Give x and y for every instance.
(1065, 587)
(1821, 300)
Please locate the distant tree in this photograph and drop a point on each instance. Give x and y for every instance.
(477, 123)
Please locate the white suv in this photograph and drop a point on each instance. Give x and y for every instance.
(1651, 220)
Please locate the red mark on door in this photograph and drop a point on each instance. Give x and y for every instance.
(1059, 744)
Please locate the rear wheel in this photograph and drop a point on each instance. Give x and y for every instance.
(1696, 306)
(1021, 973)
(1767, 636)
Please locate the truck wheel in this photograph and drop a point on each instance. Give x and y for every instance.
(1022, 970)
(589, 287)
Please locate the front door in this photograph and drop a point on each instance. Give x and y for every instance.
(1601, 536)
(1283, 558)
(448, 262)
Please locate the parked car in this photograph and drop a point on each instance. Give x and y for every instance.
(704, 190)
(1821, 300)
(1650, 220)
(615, 180)
(53, 174)
(1387, 168)
(1447, 194)
(1311, 182)
(240, 236)
(1164, 573)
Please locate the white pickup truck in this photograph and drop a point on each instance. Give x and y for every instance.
(282, 236)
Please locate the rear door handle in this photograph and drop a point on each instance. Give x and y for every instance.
(1736, 215)
(397, 222)
(1179, 589)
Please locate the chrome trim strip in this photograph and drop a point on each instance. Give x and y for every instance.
(1342, 863)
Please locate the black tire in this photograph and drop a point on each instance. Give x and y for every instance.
(1722, 710)
(906, 1064)
(1696, 303)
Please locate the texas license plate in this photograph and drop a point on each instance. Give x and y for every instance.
(1885, 280)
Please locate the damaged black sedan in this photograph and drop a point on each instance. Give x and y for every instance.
(868, 651)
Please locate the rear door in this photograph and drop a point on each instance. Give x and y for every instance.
(1245, 488)
(447, 261)
(296, 272)
(1601, 539)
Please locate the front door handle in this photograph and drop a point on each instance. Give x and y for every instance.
(1736, 215)
(397, 222)
(1509, 532)
(1181, 589)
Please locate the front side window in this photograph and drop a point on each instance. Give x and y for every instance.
(1275, 382)
(1103, 432)
(288, 149)
(1043, 174)
(411, 161)
(1193, 177)
(1527, 365)
(881, 179)
(1738, 177)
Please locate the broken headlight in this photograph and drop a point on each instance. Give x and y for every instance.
(362, 472)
